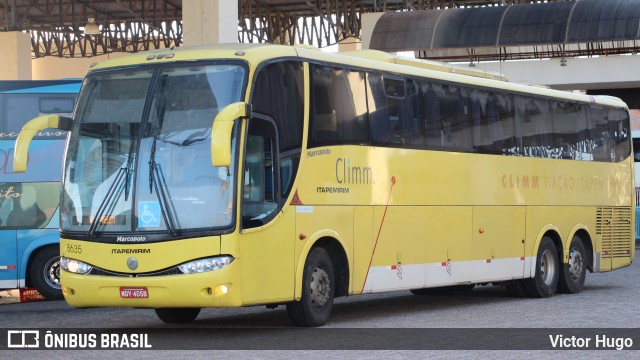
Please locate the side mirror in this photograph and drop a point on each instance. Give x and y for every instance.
(29, 130)
(221, 132)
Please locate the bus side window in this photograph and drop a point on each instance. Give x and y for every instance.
(26, 212)
(619, 134)
(599, 134)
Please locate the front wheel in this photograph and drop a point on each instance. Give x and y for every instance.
(574, 272)
(44, 273)
(545, 280)
(177, 315)
(318, 290)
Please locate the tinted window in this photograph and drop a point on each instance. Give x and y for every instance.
(599, 134)
(454, 117)
(431, 124)
(28, 205)
(535, 124)
(570, 130)
(278, 92)
(619, 134)
(56, 105)
(338, 107)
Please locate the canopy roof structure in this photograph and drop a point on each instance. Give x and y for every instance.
(57, 26)
(568, 28)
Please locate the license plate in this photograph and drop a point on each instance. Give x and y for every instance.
(134, 293)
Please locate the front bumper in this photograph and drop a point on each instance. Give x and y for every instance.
(184, 290)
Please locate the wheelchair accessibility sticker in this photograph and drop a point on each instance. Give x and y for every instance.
(149, 214)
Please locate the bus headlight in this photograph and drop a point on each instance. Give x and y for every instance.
(74, 266)
(204, 265)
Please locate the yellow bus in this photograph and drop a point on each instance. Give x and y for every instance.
(239, 175)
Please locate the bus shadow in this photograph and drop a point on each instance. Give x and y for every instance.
(363, 307)
(351, 308)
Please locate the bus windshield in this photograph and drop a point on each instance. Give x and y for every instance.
(139, 154)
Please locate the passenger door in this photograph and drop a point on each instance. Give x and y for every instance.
(267, 234)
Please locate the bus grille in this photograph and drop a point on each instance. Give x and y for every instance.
(614, 225)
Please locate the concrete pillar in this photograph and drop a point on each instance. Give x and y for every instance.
(15, 62)
(349, 44)
(209, 21)
(369, 21)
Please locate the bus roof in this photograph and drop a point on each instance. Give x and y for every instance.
(54, 89)
(255, 54)
(67, 86)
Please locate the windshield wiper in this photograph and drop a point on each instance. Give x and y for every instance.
(157, 181)
(111, 193)
(129, 172)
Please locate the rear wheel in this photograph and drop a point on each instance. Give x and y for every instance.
(574, 272)
(177, 315)
(318, 290)
(545, 280)
(516, 289)
(44, 273)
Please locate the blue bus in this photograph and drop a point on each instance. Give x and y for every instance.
(29, 221)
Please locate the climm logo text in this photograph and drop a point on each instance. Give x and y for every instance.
(346, 173)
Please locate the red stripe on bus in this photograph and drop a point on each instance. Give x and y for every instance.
(393, 182)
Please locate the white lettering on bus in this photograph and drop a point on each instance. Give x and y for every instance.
(131, 238)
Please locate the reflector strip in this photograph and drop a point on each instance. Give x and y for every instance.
(8, 267)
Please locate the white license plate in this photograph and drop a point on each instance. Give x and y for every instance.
(134, 292)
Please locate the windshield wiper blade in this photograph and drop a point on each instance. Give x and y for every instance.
(160, 185)
(111, 193)
(129, 172)
(157, 181)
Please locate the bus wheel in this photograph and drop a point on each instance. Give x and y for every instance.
(318, 290)
(573, 273)
(45, 273)
(545, 280)
(516, 289)
(177, 315)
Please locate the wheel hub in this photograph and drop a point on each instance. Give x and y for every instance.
(52, 273)
(576, 264)
(547, 267)
(320, 287)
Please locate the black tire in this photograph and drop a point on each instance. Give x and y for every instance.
(44, 273)
(318, 291)
(447, 290)
(177, 315)
(575, 271)
(545, 280)
(516, 289)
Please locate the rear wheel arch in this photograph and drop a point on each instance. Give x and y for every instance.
(551, 232)
(43, 271)
(546, 268)
(339, 255)
(340, 263)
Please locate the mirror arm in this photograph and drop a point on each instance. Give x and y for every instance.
(29, 130)
(221, 132)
